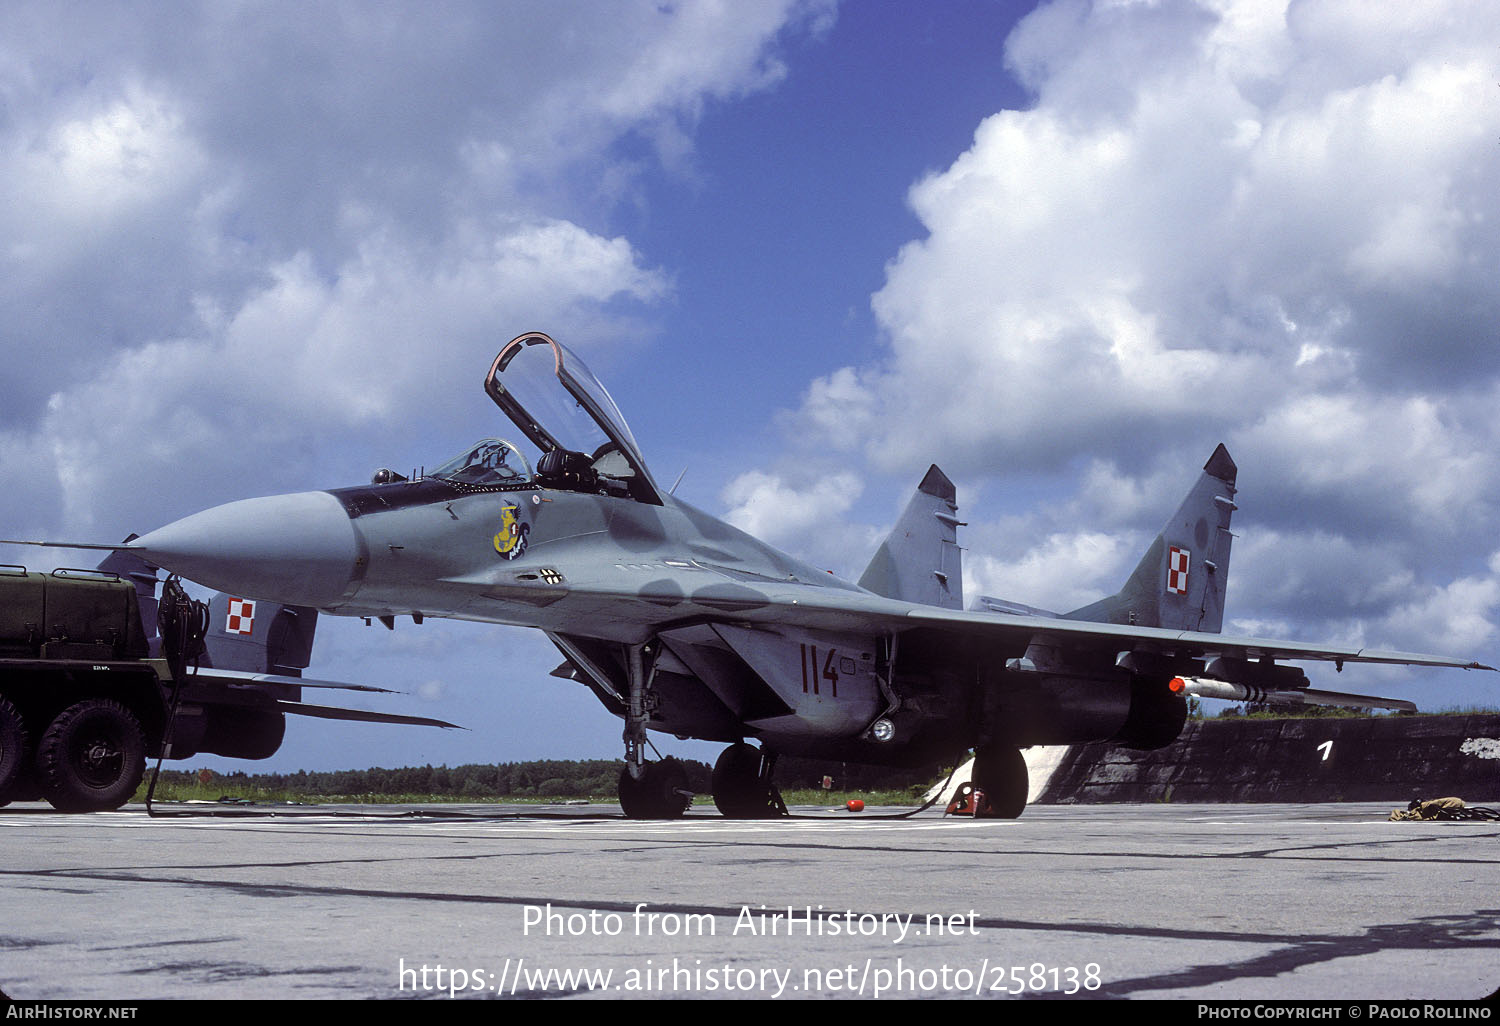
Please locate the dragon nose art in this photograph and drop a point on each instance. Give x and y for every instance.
(299, 549)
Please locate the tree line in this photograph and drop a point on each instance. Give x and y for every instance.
(545, 778)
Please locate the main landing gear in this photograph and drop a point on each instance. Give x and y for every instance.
(742, 784)
(1000, 776)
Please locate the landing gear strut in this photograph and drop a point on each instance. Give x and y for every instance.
(648, 790)
(742, 784)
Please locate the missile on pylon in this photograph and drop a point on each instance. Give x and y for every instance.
(1203, 687)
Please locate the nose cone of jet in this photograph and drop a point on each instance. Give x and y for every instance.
(299, 549)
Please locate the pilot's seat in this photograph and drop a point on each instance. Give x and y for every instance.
(567, 470)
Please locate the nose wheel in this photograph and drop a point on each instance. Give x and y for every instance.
(660, 792)
(648, 790)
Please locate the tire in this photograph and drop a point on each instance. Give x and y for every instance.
(25, 787)
(739, 791)
(14, 749)
(91, 757)
(658, 794)
(1001, 772)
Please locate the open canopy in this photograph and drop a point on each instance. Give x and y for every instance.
(557, 402)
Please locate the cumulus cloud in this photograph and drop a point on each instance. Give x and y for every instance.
(1269, 224)
(1459, 616)
(1060, 572)
(804, 514)
(376, 347)
(230, 231)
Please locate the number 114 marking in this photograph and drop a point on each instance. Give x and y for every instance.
(811, 673)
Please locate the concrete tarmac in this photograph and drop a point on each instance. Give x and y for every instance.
(1123, 901)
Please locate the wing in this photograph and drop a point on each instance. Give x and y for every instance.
(1014, 634)
(1188, 644)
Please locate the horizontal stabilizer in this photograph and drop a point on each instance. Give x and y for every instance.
(249, 678)
(329, 713)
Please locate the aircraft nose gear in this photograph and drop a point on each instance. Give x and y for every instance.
(660, 792)
(648, 790)
(742, 784)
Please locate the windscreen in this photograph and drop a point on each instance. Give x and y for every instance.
(492, 463)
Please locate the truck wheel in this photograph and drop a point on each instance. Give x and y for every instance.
(12, 750)
(91, 757)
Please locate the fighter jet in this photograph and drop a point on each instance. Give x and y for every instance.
(683, 624)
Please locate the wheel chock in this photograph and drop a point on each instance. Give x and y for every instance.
(969, 801)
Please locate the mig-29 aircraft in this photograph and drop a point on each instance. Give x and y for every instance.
(680, 623)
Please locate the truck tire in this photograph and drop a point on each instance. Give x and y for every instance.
(91, 757)
(13, 749)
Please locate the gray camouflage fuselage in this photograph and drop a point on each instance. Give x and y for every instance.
(682, 623)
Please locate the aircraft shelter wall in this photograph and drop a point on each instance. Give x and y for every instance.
(1382, 758)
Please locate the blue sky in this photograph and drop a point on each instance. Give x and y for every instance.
(1060, 249)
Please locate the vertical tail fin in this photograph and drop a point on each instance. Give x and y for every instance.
(920, 560)
(259, 636)
(1180, 582)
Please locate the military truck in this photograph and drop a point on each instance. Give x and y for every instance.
(88, 691)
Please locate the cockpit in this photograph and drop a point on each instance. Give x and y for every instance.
(492, 463)
(582, 443)
(553, 398)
